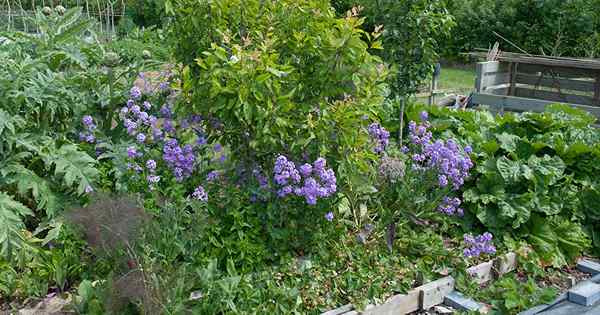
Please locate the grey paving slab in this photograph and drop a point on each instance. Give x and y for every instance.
(587, 293)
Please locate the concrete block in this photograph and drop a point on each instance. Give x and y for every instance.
(588, 266)
(586, 293)
(460, 302)
(534, 310)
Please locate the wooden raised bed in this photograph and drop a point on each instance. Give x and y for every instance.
(522, 83)
(435, 292)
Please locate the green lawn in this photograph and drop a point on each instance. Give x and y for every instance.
(460, 80)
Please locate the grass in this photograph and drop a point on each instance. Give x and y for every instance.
(460, 80)
(453, 80)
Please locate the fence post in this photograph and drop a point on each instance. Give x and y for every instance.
(434, 83)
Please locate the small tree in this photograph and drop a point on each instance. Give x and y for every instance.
(412, 29)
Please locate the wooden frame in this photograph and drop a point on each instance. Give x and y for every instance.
(433, 293)
(524, 85)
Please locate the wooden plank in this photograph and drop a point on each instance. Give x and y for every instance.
(553, 96)
(504, 264)
(491, 66)
(597, 89)
(494, 79)
(433, 293)
(340, 310)
(397, 305)
(561, 71)
(483, 272)
(523, 104)
(480, 76)
(547, 81)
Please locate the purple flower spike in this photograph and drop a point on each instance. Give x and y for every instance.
(424, 116)
(380, 136)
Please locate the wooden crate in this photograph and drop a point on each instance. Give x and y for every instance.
(518, 86)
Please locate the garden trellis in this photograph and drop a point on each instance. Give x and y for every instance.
(14, 14)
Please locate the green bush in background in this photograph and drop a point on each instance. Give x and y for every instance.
(542, 27)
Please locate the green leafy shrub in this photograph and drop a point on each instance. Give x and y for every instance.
(555, 27)
(533, 175)
(412, 33)
(281, 76)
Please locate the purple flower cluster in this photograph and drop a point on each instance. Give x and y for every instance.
(179, 159)
(200, 194)
(329, 216)
(137, 121)
(450, 206)
(135, 93)
(212, 176)
(380, 136)
(450, 161)
(480, 244)
(311, 181)
(263, 180)
(88, 124)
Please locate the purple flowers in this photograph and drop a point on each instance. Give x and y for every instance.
(200, 194)
(135, 93)
(329, 216)
(141, 138)
(380, 136)
(88, 123)
(132, 152)
(179, 159)
(311, 182)
(151, 165)
(285, 172)
(450, 206)
(212, 176)
(445, 157)
(481, 244)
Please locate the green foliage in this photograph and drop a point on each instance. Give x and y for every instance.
(281, 76)
(412, 31)
(509, 295)
(554, 27)
(38, 269)
(146, 13)
(533, 178)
